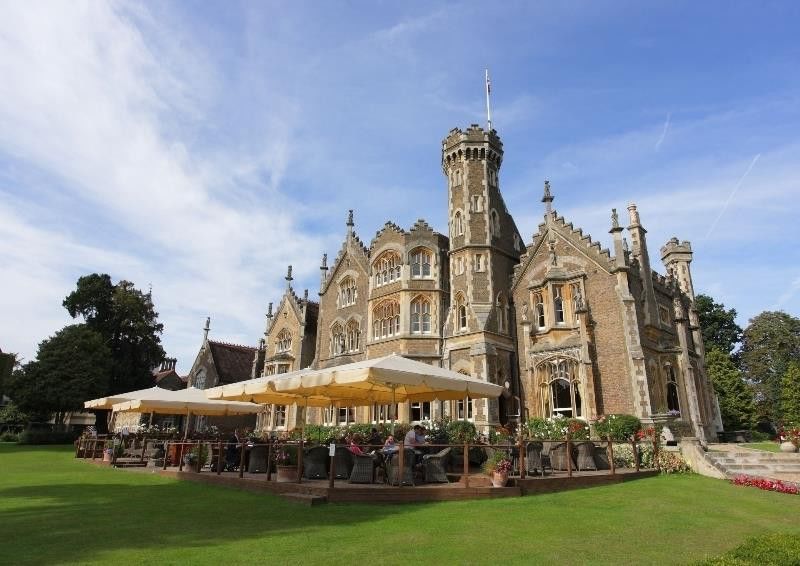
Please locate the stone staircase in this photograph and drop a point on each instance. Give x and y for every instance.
(737, 461)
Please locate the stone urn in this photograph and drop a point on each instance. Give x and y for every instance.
(107, 455)
(788, 447)
(286, 474)
(499, 479)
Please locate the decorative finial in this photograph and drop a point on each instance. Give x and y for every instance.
(289, 277)
(547, 199)
(614, 218)
(269, 311)
(625, 245)
(324, 262)
(305, 295)
(206, 328)
(634, 214)
(350, 222)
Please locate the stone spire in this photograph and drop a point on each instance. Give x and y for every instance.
(639, 242)
(350, 222)
(620, 257)
(547, 199)
(206, 329)
(323, 272)
(289, 277)
(269, 319)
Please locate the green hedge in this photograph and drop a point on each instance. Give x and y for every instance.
(620, 427)
(47, 437)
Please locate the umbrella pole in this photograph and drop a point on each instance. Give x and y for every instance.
(186, 428)
(394, 406)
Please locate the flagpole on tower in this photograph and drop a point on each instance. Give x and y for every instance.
(488, 105)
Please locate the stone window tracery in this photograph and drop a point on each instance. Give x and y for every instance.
(421, 260)
(353, 336)
(673, 403)
(501, 313)
(461, 312)
(284, 341)
(458, 224)
(538, 307)
(348, 292)
(337, 340)
(387, 269)
(420, 316)
(558, 304)
(386, 320)
(559, 377)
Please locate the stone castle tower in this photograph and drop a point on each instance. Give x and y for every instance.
(484, 248)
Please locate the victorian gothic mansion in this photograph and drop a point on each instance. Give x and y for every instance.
(567, 327)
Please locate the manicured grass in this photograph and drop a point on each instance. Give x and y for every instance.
(765, 446)
(54, 509)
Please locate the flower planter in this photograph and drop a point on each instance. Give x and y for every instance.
(788, 447)
(106, 456)
(499, 479)
(286, 474)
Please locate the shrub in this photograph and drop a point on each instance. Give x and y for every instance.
(557, 428)
(9, 437)
(498, 462)
(198, 456)
(437, 431)
(620, 427)
(47, 437)
(758, 436)
(459, 432)
(777, 548)
(672, 463)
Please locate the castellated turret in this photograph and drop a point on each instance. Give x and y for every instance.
(676, 257)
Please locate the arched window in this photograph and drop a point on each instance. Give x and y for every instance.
(386, 320)
(461, 312)
(564, 397)
(421, 263)
(420, 316)
(353, 336)
(558, 304)
(672, 390)
(495, 223)
(387, 268)
(348, 292)
(337, 340)
(458, 224)
(284, 342)
(500, 307)
(538, 305)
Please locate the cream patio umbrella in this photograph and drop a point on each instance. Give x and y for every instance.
(389, 379)
(186, 401)
(111, 400)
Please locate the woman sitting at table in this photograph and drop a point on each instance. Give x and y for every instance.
(355, 447)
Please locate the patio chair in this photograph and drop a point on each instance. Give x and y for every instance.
(434, 466)
(315, 463)
(258, 460)
(363, 468)
(601, 457)
(558, 456)
(393, 470)
(535, 460)
(585, 458)
(343, 463)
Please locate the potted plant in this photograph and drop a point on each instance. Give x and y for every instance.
(285, 465)
(497, 467)
(790, 436)
(197, 458)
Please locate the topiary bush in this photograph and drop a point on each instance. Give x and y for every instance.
(9, 436)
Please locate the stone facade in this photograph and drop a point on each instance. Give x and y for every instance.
(567, 327)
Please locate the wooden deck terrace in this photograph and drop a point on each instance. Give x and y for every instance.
(478, 486)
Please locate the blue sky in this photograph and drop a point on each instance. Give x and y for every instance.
(202, 147)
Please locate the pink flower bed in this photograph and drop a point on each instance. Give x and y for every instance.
(767, 484)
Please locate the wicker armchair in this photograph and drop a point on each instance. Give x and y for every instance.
(363, 469)
(535, 460)
(257, 464)
(434, 466)
(343, 463)
(393, 471)
(558, 456)
(585, 458)
(315, 463)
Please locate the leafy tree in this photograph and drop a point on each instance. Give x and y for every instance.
(770, 343)
(70, 367)
(10, 415)
(7, 363)
(736, 402)
(126, 319)
(790, 394)
(717, 324)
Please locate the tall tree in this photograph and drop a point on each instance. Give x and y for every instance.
(717, 324)
(736, 403)
(7, 363)
(70, 367)
(770, 343)
(790, 394)
(126, 319)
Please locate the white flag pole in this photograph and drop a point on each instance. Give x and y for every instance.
(488, 106)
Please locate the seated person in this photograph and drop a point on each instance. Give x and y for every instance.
(374, 439)
(390, 447)
(415, 437)
(354, 446)
(232, 454)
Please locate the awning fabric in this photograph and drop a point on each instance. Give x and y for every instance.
(184, 401)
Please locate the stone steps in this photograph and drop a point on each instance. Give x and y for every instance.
(751, 462)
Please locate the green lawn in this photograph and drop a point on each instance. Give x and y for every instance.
(54, 509)
(765, 446)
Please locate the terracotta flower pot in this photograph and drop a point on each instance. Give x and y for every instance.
(286, 474)
(788, 447)
(499, 479)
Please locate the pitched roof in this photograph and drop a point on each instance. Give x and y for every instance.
(233, 361)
